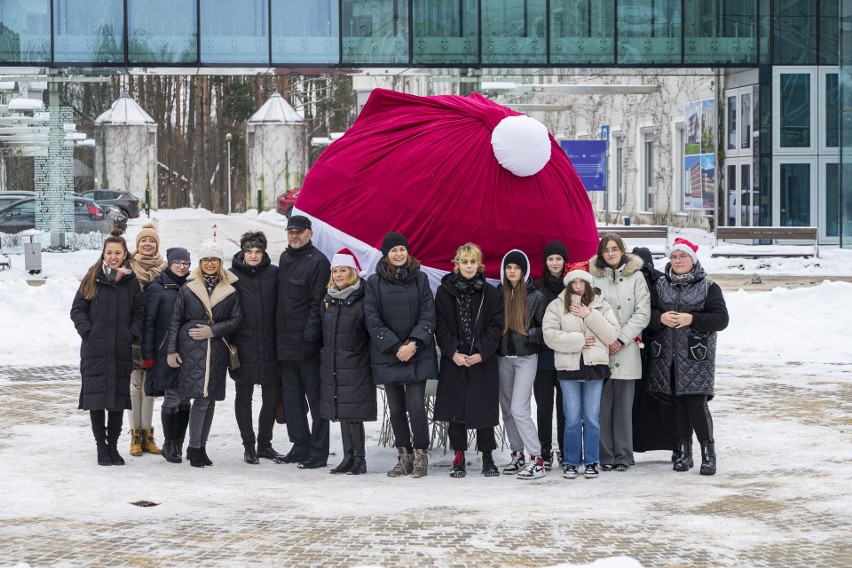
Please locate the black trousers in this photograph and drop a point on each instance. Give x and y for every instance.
(300, 388)
(692, 413)
(269, 393)
(544, 386)
(352, 433)
(485, 441)
(407, 402)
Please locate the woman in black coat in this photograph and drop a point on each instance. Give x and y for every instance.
(470, 323)
(400, 312)
(206, 312)
(107, 313)
(255, 342)
(347, 392)
(162, 380)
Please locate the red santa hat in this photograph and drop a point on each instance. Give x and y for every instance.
(577, 270)
(684, 245)
(345, 257)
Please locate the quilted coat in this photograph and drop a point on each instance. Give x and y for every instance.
(255, 338)
(205, 361)
(160, 297)
(347, 391)
(565, 333)
(108, 324)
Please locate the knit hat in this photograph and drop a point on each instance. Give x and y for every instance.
(392, 240)
(299, 222)
(149, 230)
(253, 239)
(685, 246)
(577, 270)
(211, 249)
(345, 257)
(177, 253)
(555, 247)
(518, 257)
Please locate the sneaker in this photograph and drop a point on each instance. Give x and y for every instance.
(459, 466)
(606, 467)
(516, 465)
(591, 471)
(620, 467)
(548, 465)
(570, 472)
(533, 470)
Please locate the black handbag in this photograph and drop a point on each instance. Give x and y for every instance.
(233, 355)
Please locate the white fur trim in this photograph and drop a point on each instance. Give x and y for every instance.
(521, 144)
(574, 274)
(686, 249)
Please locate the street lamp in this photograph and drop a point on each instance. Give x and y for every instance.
(228, 140)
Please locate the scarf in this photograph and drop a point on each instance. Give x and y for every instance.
(146, 267)
(179, 280)
(555, 285)
(345, 293)
(466, 289)
(115, 275)
(210, 283)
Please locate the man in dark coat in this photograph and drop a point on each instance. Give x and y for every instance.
(303, 274)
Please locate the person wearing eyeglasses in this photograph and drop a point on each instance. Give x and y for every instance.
(687, 310)
(207, 310)
(160, 297)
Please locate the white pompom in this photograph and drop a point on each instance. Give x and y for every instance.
(521, 145)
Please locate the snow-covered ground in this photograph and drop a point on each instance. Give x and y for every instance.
(781, 496)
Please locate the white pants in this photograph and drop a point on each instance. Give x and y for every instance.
(142, 407)
(517, 376)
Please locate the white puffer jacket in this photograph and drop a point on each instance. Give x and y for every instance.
(626, 291)
(565, 333)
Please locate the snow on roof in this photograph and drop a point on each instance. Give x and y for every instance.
(275, 110)
(125, 111)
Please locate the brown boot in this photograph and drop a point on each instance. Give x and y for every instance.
(148, 444)
(135, 442)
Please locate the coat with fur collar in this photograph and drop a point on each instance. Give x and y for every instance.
(204, 363)
(627, 293)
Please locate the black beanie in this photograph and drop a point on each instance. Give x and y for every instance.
(177, 253)
(517, 257)
(253, 239)
(555, 247)
(393, 240)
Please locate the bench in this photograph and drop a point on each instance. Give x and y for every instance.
(5, 262)
(809, 236)
(639, 232)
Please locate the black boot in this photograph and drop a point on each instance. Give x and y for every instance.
(113, 432)
(708, 458)
(344, 466)
(359, 466)
(203, 455)
(100, 433)
(194, 457)
(684, 455)
(488, 467)
(459, 465)
(250, 455)
(170, 449)
(181, 424)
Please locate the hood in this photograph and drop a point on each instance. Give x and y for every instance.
(239, 263)
(503, 264)
(631, 264)
(647, 258)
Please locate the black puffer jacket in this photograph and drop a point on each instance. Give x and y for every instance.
(109, 324)
(160, 297)
(204, 362)
(398, 310)
(303, 275)
(347, 391)
(513, 343)
(551, 288)
(255, 339)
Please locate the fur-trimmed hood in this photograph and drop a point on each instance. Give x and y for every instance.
(222, 290)
(633, 264)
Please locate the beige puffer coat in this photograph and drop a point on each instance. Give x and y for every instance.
(565, 333)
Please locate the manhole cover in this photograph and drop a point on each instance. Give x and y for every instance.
(144, 503)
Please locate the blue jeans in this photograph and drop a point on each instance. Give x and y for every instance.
(581, 401)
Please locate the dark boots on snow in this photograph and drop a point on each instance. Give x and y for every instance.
(171, 452)
(684, 456)
(459, 466)
(708, 458)
(250, 455)
(344, 466)
(359, 466)
(489, 469)
(194, 456)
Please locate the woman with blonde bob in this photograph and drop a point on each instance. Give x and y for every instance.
(470, 323)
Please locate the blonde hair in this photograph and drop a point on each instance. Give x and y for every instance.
(465, 251)
(353, 278)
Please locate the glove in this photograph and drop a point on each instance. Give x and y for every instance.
(201, 331)
(174, 360)
(148, 363)
(308, 350)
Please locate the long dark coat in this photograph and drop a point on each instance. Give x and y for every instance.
(347, 391)
(396, 310)
(160, 297)
(108, 324)
(550, 288)
(303, 275)
(255, 338)
(468, 394)
(204, 362)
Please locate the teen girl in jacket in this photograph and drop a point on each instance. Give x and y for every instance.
(107, 313)
(579, 326)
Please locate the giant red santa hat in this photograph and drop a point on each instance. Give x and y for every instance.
(443, 171)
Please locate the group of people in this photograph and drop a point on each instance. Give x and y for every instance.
(319, 337)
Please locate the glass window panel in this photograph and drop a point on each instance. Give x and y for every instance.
(745, 121)
(25, 31)
(832, 200)
(732, 122)
(514, 31)
(795, 110)
(829, 29)
(795, 32)
(446, 31)
(582, 31)
(649, 31)
(723, 31)
(795, 184)
(375, 31)
(748, 201)
(153, 39)
(88, 31)
(305, 31)
(649, 172)
(731, 185)
(619, 173)
(764, 174)
(832, 110)
(234, 36)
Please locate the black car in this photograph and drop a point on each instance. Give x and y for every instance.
(88, 216)
(124, 200)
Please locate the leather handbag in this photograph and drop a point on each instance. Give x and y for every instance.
(233, 355)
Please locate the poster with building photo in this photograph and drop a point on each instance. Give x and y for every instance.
(699, 155)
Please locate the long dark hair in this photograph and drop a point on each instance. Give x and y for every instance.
(585, 298)
(516, 316)
(390, 270)
(89, 284)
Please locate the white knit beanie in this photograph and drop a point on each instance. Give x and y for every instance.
(211, 249)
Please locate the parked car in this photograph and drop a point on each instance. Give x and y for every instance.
(9, 197)
(116, 216)
(124, 200)
(88, 216)
(285, 202)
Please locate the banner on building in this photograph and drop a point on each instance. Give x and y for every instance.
(699, 161)
(589, 160)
